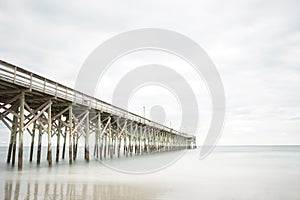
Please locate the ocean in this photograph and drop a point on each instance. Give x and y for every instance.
(229, 172)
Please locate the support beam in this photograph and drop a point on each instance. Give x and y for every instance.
(76, 138)
(10, 147)
(58, 141)
(74, 143)
(87, 135)
(124, 144)
(12, 143)
(70, 134)
(105, 146)
(22, 108)
(130, 146)
(32, 142)
(114, 144)
(39, 149)
(130, 139)
(110, 145)
(64, 145)
(48, 104)
(97, 135)
(14, 146)
(14, 139)
(101, 147)
(119, 145)
(21, 129)
(49, 136)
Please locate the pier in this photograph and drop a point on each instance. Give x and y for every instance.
(32, 105)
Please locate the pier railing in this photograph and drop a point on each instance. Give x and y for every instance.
(32, 81)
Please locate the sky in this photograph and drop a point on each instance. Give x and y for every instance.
(255, 46)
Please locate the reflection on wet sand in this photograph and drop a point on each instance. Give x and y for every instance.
(48, 190)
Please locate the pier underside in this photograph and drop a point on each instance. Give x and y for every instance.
(31, 105)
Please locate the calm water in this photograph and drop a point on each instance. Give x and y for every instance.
(257, 172)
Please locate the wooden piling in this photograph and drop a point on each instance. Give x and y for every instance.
(58, 142)
(64, 145)
(130, 145)
(124, 145)
(105, 142)
(74, 146)
(108, 146)
(101, 147)
(70, 134)
(21, 127)
(39, 149)
(96, 148)
(119, 146)
(137, 145)
(127, 145)
(32, 142)
(110, 141)
(49, 136)
(140, 145)
(145, 145)
(12, 146)
(97, 136)
(87, 135)
(114, 144)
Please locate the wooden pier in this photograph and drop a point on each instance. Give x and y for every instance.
(34, 105)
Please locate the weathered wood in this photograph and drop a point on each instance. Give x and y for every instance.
(32, 143)
(114, 145)
(19, 113)
(38, 115)
(96, 148)
(21, 130)
(119, 146)
(105, 142)
(70, 134)
(130, 145)
(39, 149)
(110, 142)
(87, 134)
(10, 147)
(49, 136)
(12, 139)
(58, 142)
(74, 145)
(124, 145)
(64, 145)
(15, 126)
(101, 147)
(97, 135)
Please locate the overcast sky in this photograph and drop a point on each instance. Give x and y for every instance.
(255, 46)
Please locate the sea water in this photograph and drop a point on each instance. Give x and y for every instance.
(229, 172)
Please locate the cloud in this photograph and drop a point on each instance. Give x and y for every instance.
(254, 44)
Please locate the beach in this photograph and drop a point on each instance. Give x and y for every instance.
(232, 172)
